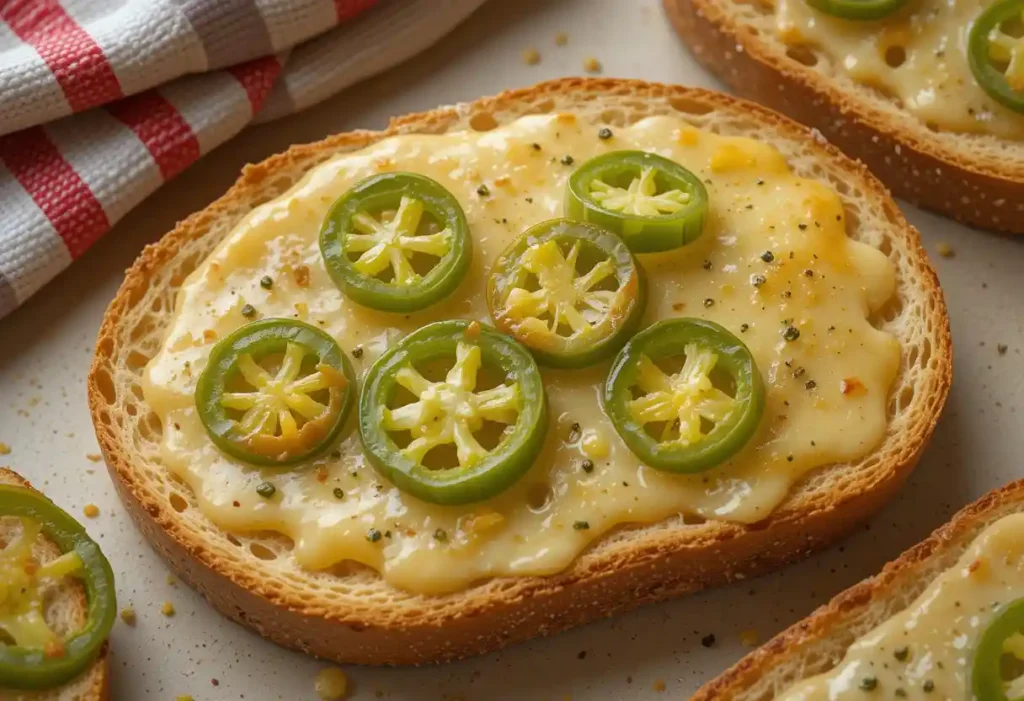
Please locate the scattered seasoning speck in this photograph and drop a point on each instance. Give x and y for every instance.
(708, 640)
(757, 280)
(588, 466)
(167, 609)
(604, 133)
(809, 273)
(266, 490)
(531, 57)
(945, 250)
(567, 160)
(339, 493)
(441, 535)
(707, 265)
(791, 333)
(483, 191)
(4, 448)
(357, 352)
(869, 683)
(91, 511)
(708, 302)
(1001, 348)
(592, 65)
(301, 275)
(581, 526)
(768, 256)
(373, 535)
(901, 653)
(928, 686)
(810, 384)
(266, 282)
(128, 616)
(789, 458)
(900, 693)
(659, 685)
(798, 372)
(744, 327)
(248, 310)
(535, 146)
(96, 457)
(582, 654)
(561, 39)
(802, 227)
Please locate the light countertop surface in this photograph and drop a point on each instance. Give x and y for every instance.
(654, 653)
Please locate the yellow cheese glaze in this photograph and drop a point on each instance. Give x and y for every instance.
(926, 69)
(939, 630)
(757, 204)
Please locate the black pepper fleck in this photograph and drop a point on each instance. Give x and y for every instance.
(441, 535)
(266, 282)
(581, 526)
(339, 493)
(791, 333)
(483, 191)
(248, 310)
(767, 256)
(567, 160)
(605, 133)
(708, 640)
(266, 490)
(373, 535)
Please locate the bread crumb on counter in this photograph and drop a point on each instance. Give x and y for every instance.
(167, 609)
(945, 250)
(658, 685)
(91, 511)
(5, 449)
(185, 698)
(561, 39)
(128, 616)
(531, 57)
(592, 65)
(93, 457)
(331, 684)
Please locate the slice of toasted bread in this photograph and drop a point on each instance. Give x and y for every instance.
(66, 611)
(974, 178)
(818, 642)
(351, 615)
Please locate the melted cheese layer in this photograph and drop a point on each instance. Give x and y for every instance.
(820, 281)
(918, 56)
(938, 631)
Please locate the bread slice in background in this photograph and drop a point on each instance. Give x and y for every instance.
(819, 642)
(66, 612)
(974, 178)
(349, 614)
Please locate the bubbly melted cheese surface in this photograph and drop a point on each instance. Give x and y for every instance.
(826, 391)
(935, 636)
(918, 55)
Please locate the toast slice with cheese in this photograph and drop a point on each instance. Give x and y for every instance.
(818, 643)
(349, 613)
(841, 79)
(66, 612)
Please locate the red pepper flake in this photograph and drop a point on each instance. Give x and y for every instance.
(31, 567)
(321, 474)
(473, 330)
(301, 274)
(852, 386)
(53, 649)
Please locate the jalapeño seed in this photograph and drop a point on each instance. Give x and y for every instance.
(791, 333)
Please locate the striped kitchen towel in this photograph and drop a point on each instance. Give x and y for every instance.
(102, 101)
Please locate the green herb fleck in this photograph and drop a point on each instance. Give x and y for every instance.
(869, 683)
(581, 526)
